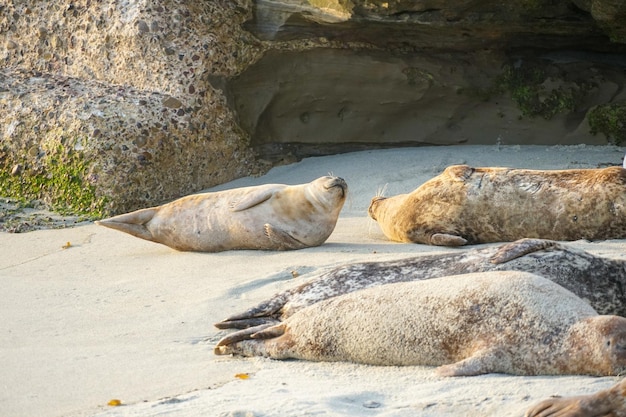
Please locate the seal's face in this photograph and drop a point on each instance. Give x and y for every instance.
(335, 184)
(615, 343)
(373, 204)
(329, 191)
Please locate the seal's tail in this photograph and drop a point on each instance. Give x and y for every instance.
(132, 223)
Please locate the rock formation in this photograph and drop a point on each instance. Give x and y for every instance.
(115, 105)
(396, 73)
(118, 93)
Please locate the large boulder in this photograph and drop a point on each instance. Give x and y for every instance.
(107, 106)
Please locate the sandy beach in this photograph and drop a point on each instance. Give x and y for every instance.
(91, 314)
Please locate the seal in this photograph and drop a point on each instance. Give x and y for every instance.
(466, 205)
(268, 217)
(599, 281)
(610, 402)
(502, 321)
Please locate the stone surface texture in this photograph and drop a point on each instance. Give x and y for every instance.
(164, 98)
(126, 85)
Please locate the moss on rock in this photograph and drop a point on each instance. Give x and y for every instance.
(536, 93)
(59, 179)
(610, 120)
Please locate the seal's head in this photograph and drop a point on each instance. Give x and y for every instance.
(324, 195)
(599, 343)
(327, 193)
(373, 205)
(334, 185)
(614, 339)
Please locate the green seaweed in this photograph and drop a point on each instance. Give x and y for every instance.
(525, 85)
(610, 120)
(59, 180)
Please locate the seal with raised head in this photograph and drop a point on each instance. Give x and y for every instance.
(606, 403)
(495, 322)
(268, 217)
(599, 281)
(466, 205)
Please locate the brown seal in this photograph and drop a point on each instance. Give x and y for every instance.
(503, 321)
(606, 403)
(597, 280)
(270, 217)
(466, 205)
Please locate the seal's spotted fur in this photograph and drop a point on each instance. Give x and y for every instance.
(599, 281)
(505, 321)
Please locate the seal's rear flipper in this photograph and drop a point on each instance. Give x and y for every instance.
(263, 313)
(132, 223)
(236, 337)
(242, 343)
(245, 323)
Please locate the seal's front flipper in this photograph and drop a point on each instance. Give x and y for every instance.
(253, 198)
(132, 223)
(481, 362)
(283, 239)
(571, 406)
(608, 402)
(445, 239)
(521, 247)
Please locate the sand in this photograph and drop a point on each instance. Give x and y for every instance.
(90, 314)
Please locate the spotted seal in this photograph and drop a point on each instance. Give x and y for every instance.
(501, 321)
(270, 217)
(597, 280)
(606, 403)
(466, 205)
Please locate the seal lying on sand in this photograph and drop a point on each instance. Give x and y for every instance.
(271, 217)
(505, 322)
(599, 281)
(466, 205)
(607, 403)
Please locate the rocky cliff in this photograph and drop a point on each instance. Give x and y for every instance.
(389, 73)
(115, 105)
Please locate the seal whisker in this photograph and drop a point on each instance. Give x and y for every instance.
(380, 192)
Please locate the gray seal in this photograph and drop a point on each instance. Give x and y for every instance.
(599, 281)
(501, 321)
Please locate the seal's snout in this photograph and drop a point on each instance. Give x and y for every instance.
(339, 183)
